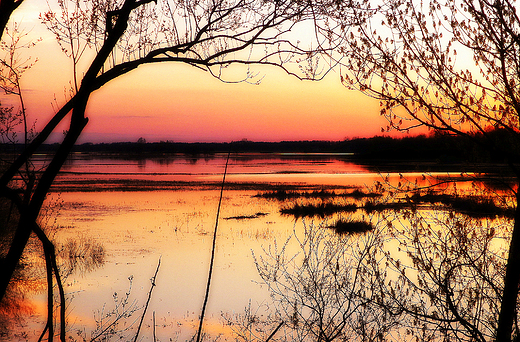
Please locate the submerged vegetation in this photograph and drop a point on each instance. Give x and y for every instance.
(475, 206)
(283, 195)
(321, 209)
(471, 205)
(351, 226)
(246, 217)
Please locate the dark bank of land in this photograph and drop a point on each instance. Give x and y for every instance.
(436, 149)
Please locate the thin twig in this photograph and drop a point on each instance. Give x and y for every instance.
(154, 336)
(199, 332)
(275, 331)
(148, 300)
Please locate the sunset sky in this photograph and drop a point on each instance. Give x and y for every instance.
(180, 103)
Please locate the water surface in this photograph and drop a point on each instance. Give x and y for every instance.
(145, 210)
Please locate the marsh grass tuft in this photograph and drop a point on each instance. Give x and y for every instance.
(246, 217)
(81, 255)
(283, 195)
(321, 209)
(370, 206)
(351, 226)
(473, 206)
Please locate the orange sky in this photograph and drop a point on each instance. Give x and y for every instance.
(179, 103)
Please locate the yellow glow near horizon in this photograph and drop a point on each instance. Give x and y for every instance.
(180, 103)
(189, 105)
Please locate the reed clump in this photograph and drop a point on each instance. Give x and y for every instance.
(351, 226)
(246, 217)
(371, 206)
(320, 209)
(474, 206)
(283, 195)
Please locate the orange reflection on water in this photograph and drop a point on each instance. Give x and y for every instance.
(15, 308)
(137, 228)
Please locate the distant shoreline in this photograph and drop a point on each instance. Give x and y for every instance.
(439, 148)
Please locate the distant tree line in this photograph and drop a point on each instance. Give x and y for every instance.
(440, 148)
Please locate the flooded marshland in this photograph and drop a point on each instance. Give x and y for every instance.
(117, 219)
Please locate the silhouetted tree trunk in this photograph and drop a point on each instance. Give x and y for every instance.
(77, 124)
(451, 66)
(7, 7)
(508, 309)
(194, 33)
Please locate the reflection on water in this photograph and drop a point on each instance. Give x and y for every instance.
(239, 163)
(332, 170)
(81, 254)
(136, 228)
(121, 234)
